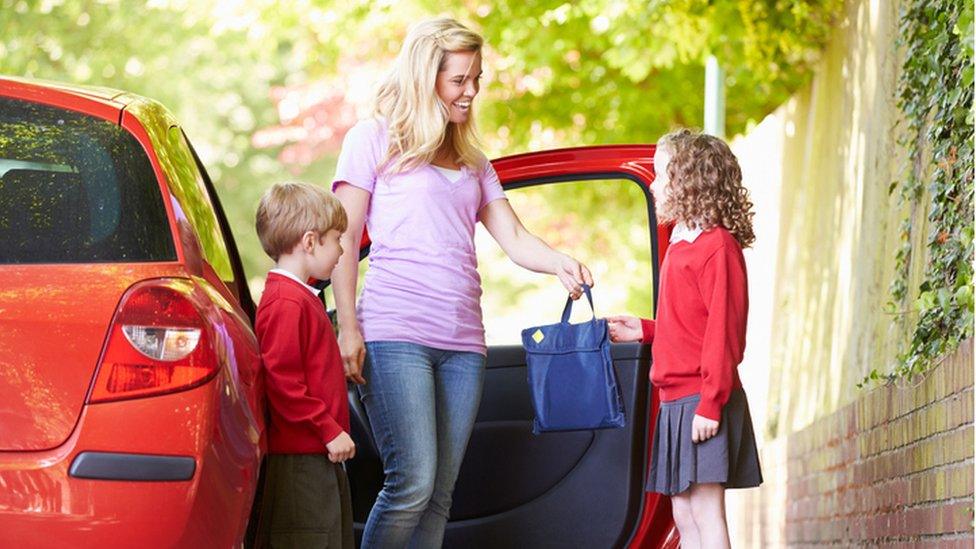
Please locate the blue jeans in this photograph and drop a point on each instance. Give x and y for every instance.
(421, 404)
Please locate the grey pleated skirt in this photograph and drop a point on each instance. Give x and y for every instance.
(729, 458)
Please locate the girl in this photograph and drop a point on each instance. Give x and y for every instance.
(703, 441)
(415, 177)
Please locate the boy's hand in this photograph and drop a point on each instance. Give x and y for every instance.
(341, 448)
(353, 351)
(703, 428)
(624, 328)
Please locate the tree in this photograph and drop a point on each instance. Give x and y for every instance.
(560, 73)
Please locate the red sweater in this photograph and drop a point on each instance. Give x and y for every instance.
(700, 332)
(304, 379)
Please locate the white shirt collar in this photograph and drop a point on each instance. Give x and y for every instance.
(289, 274)
(683, 232)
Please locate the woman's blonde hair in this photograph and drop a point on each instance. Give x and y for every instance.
(407, 98)
(289, 210)
(705, 187)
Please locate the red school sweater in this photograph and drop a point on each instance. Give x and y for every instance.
(699, 335)
(304, 378)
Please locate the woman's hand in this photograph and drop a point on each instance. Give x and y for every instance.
(703, 428)
(625, 328)
(353, 351)
(573, 275)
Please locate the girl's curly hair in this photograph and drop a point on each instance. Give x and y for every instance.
(705, 187)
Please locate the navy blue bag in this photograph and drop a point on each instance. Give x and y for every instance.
(571, 378)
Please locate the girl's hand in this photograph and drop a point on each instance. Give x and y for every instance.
(703, 428)
(573, 275)
(353, 351)
(624, 328)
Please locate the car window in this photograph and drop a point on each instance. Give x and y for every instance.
(191, 191)
(240, 289)
(76, 189)
(603, 223)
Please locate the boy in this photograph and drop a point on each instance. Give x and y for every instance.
(306, 499)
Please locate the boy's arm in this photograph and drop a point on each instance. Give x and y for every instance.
(722, 283)
(282, 352)
(647, 328)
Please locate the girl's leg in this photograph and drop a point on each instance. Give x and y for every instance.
(708, 509)
(399, 400)
(458, 379)
(683, 519)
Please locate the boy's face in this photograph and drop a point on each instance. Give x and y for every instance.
(659, 187)
(324, 254)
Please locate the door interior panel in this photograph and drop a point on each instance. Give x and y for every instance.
(516, 489)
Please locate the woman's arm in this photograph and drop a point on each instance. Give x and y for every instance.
(529, 251)
(355, 201)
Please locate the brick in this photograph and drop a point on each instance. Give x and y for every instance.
(941, 379)
(956, 517)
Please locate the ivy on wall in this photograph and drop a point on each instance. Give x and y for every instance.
(935, 93)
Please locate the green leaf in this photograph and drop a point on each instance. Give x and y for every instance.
(964, 296)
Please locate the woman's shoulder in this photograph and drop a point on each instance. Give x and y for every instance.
(371, 126)
(479, 162)
(367, 134)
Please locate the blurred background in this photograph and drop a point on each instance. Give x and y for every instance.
(266, 89)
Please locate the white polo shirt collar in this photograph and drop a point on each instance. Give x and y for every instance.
(683, 232)
(289, 274)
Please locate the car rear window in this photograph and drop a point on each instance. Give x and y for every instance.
(76, 189)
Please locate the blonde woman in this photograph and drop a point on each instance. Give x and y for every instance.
(414, 176)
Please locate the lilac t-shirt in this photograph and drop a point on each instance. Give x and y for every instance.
(422, 285)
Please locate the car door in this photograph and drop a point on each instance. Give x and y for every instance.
(569, 489)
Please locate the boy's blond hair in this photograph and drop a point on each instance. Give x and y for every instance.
(289, 210)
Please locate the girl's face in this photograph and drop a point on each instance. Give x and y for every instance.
(458, 82)
(659, 187)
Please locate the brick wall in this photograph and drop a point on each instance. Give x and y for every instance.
(893, 468)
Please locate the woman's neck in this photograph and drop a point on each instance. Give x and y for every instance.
(445, 158)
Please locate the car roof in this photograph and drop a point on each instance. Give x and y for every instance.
(90, 92)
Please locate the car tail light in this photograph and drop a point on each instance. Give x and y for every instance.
(158, 343)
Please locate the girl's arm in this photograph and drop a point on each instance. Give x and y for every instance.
(625, 328)
(723, 287)
(351, 345)
(529, 251)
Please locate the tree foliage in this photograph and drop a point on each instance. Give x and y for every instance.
(560, 73)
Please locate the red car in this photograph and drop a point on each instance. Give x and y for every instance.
(130, 407)
(129, 391)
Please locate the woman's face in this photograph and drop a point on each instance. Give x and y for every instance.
(659, 187)
(458, 82)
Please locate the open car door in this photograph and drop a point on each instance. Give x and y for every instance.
(568, 489)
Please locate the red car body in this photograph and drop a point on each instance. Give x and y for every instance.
(55, 324)
(61, 327)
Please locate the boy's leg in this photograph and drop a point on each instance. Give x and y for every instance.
(347, 538)
(458, 378)
(399, 400)
(708, 508)
(685, 521)
(305, 504)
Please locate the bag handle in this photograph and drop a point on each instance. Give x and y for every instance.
(569, 304)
